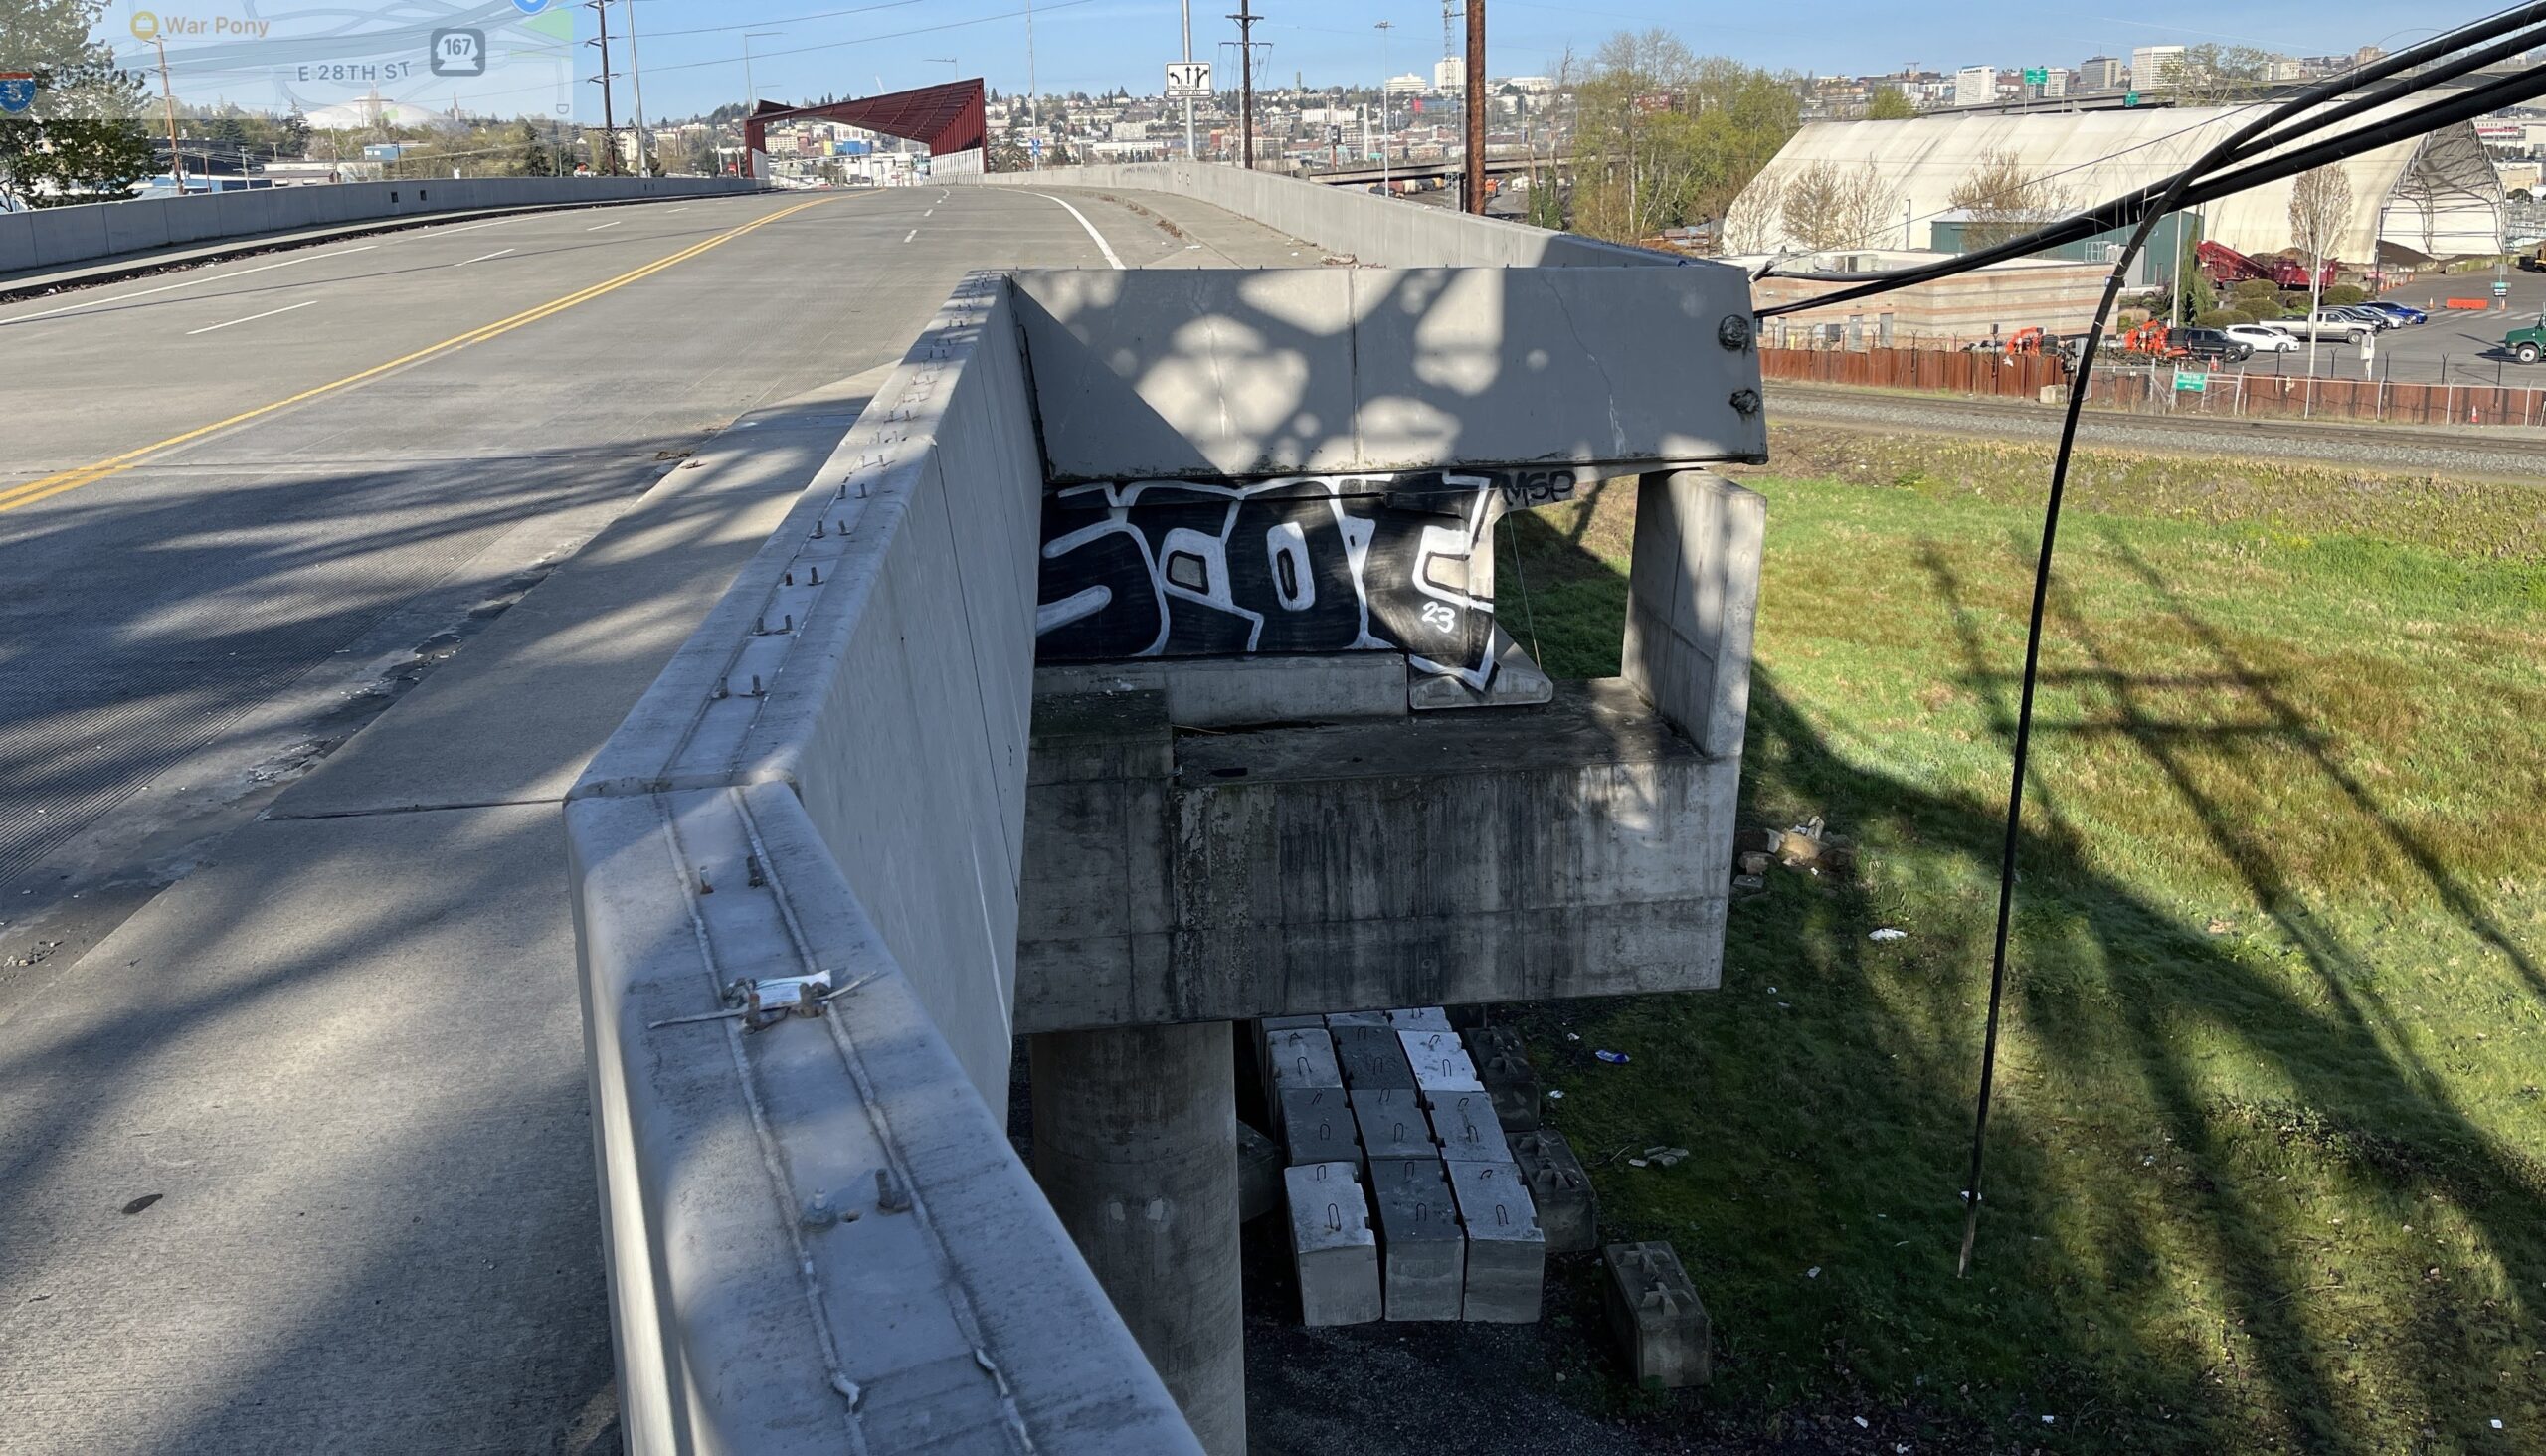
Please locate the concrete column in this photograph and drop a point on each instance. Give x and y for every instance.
(1136, 1144)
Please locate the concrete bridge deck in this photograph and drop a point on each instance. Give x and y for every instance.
(296, 1154)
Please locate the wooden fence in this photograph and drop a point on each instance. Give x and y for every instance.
(2141, 387)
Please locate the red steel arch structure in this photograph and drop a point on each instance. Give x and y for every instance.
(947, 117)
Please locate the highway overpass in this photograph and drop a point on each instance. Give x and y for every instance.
(341, 565)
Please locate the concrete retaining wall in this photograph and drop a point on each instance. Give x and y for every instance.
(1372, 229)
(61, 235)
(819, 1234)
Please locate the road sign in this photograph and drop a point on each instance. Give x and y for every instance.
(2190, 382)
(2131, 99)
(17, 92)
(530, 7)
(1035, 144)
(459, 53)
(1334, 137)
(2501, 287)
(1188, 81)
(2036, 75)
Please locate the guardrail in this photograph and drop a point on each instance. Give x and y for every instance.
(54, 236)
(818, 1235)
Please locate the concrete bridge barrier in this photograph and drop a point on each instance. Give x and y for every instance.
(805, 865)
(57, 237)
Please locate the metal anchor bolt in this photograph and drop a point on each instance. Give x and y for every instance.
(1745, 402)
(1734, 333)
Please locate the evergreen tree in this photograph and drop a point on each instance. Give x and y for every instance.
(83, 140)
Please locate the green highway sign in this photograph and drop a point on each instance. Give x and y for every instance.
(2036, 75)
(2190, 382)
(2131, 99)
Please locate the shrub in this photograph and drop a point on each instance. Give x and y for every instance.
(2222, 317)
(2341, 294)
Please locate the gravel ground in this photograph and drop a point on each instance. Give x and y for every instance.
(2489, 452)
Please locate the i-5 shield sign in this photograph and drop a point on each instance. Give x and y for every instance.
(17, 92)
(1188, 81)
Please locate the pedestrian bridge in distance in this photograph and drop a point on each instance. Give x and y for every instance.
(928, 779)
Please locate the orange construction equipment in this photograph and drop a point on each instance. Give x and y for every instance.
(2151, 338)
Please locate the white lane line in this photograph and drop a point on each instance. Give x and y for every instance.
(484, 256)
(604, 225)
(1101, 245)
(252, 318)
(913, 233)
(677, 209)
(473, 227)
(932, 211)
(188, 283)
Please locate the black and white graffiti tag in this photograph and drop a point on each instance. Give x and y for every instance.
(1312, 564)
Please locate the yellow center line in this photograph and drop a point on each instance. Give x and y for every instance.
(53, 486)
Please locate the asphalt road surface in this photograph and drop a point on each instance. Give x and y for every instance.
(326, 568)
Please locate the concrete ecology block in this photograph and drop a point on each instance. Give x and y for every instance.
(1502, 1065)
(1466, 1127)
(1371, 1058)
(1393, 1124)
(1440, 1063)
(1332, 1249)
(1662, 1329)
(1358, 1018)
(1507, 1252)
(1316, 1126)
(1420, 1018)
(1559, 1189)
(1424, 1254)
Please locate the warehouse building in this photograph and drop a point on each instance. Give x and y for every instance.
(2434, 197)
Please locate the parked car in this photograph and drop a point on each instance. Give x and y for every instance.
(2526, 344)
(2326, 324)
(2403, 314)
(2209, 343)
(2363, 314)
(2259, 339)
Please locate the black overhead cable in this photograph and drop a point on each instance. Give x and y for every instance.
(2146, 208)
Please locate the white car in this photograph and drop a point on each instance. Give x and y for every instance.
(2260, 339)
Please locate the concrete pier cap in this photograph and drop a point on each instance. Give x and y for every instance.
(930, 778)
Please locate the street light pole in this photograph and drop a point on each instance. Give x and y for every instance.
(1033, 97)
(1383, 27)
(1189, 60)
(637, 82)
(1246, 20)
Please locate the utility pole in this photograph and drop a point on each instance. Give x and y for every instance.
(1246, 19)
(637, 82)
(609, 121)
(1034, 96)
(1476, 107)
(176, 157)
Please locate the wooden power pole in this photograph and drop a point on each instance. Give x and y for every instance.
(1246, 19)
(1476, 108)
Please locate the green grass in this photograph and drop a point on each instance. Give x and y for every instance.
(2268, 1163)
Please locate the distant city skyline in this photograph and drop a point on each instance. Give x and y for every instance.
(692, 50)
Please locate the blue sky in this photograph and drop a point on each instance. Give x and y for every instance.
(1092, 45)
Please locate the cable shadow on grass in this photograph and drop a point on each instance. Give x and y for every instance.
(1846, 1098)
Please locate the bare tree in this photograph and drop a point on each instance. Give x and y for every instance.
(1828, 206)
(2319, 209)
(1750, 224)
(2006, 199)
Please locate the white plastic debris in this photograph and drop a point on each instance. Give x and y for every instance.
(1812, 1273)
(1861, 1423)
(1888, 934)
(1556, 1094)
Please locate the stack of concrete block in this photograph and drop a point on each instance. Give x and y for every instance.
(1387, 1110)
(1661, 1328)
(1260, 1163)
(1559, 1189)
(1333, 1250)
(1507, 1254)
